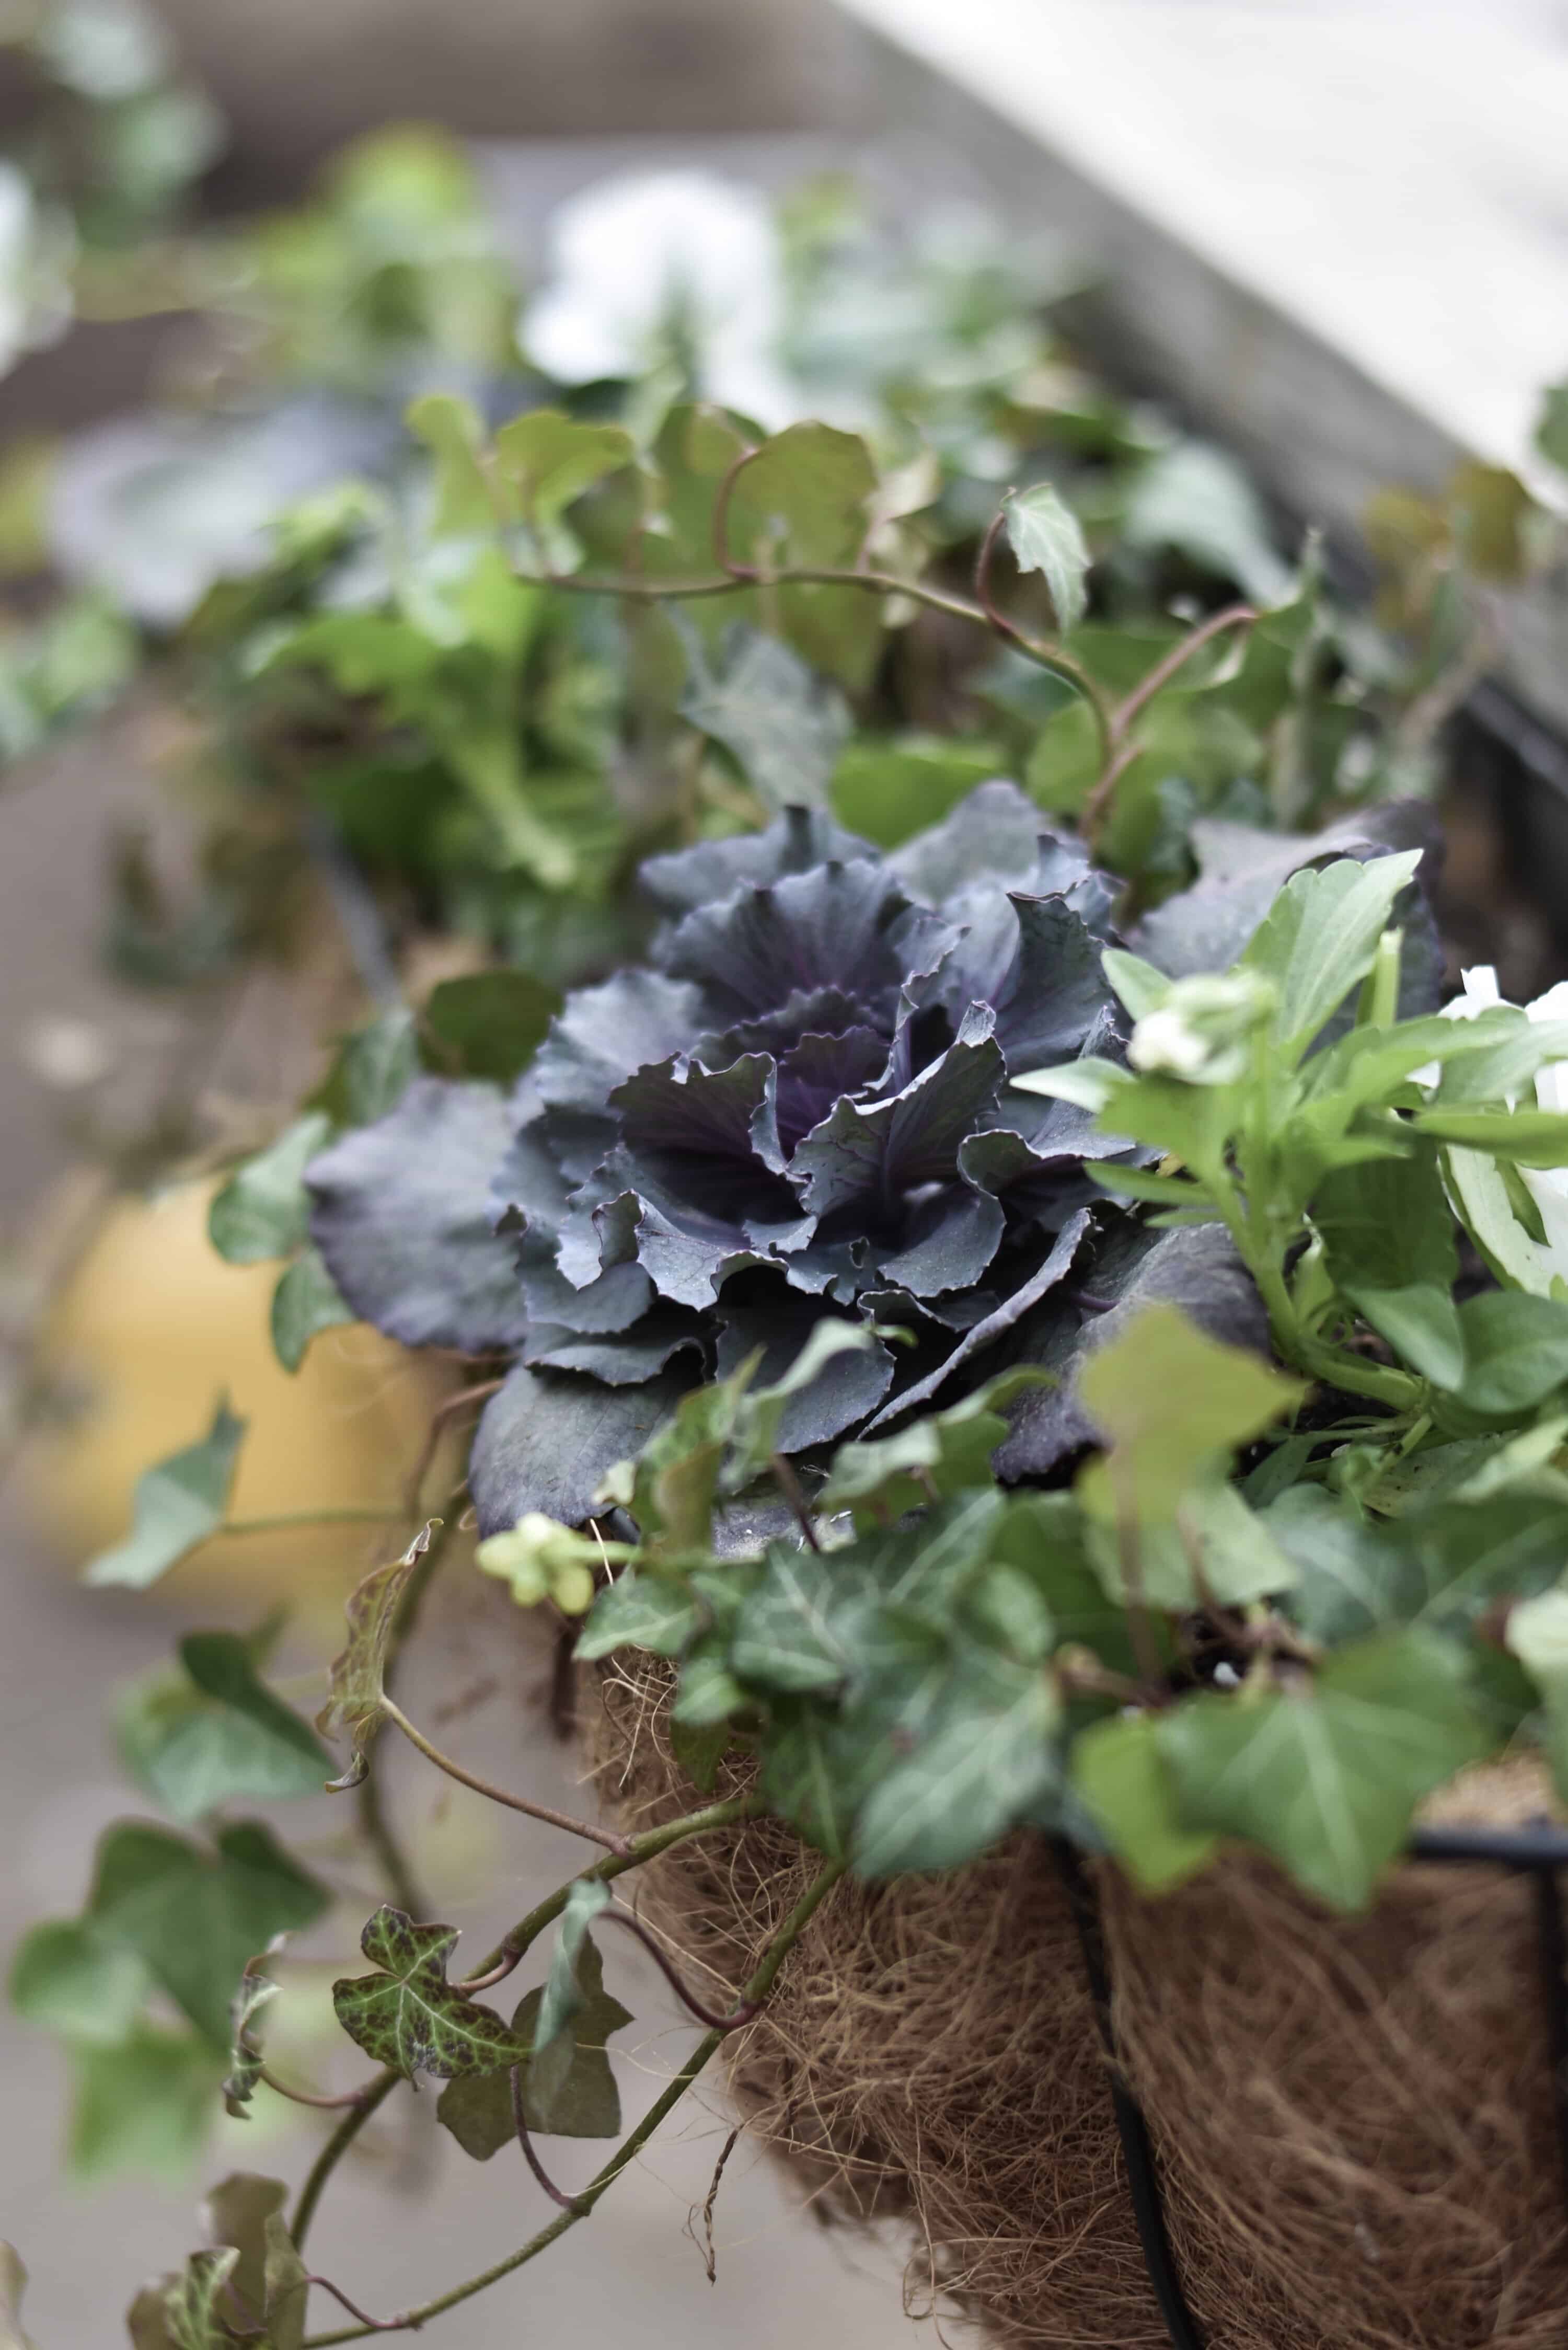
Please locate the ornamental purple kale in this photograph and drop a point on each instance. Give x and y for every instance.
(799, 1107)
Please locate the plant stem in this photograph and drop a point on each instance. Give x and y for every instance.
(290, 1518)
(375, 1824)
(337, 2145)
(1235, 616)
(754, 1991)
(524, 1804)
(514, 1945)
(309, 2097)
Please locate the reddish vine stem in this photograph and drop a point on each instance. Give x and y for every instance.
(309, 2097)
(397, 2324)
(982, 594)
(482, 1786)
(443, 1413)
(740, 2013)
(1235, 616)
(722, 555)
(520, 2124)
(789, 1485)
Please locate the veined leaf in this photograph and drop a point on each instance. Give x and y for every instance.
(262, 1210)
(1327, 1778)
(567, 1990)
(477, 2109)
(1045, 536)
(212, 1732)
(1172, 1402)
(1317, 941)
(306, 1302)
(1124, 1782)
(409, 2016)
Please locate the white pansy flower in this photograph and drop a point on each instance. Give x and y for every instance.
(666, 266)
(1478, 1181)
(1201, 1031)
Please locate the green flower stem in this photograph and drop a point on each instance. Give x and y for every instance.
(753, 1994)
(514, 1945)
(289, 1519)
(486, 1787)
(337, 2145)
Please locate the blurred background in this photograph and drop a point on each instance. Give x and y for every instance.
(1325, 243)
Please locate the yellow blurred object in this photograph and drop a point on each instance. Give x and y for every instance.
(145, 1333)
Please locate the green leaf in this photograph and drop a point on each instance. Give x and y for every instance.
(1044, 536)
(1352, 1576)
(759, 1411)
(707, 1693)
(1141, 988)
(488, 1025)
(196, 2305)
(945, 1453)
(1317, 939)
(73, 1981)
(236, 2214)
(1388, 1234)
(1538, 1636)
(285, 2286)
(639, 1611)
(195, 1916)
(255, 1994)
(551, 459)
(700, 1751)
(13, 2285)
(986, 1756)
(1217, 1550)
(373, 1070)
(306, 1302)
(355, 1688)
(478, 2109)
(466, 501)
(1172, 1402)
(1121, 1778)
(783, 726)
(213, 1733)
(889, 790)
(263, 1211)
(1551, 426)
(566, 1992)
(1526, 1137)
(1516, 1351)
(142, 2106)
(178, 1504)
(409, 2016)
(1327, 1778)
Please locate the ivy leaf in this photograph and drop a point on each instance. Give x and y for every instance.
(13, 2285)
(306, 1302)
(256, 1992)
(234, 2216)
(1044, 536)
(143, 2106)
(212, 1732)
(550, 460)
(285, 2286)
(567, 1989)
(985, 1757)
(356, 1687)
(72, 1981)
(466, 503)
(409, 2016)
(1538, 1636)
(639, 1611)
(783, 726)
(194, 1916)
(1173, 1402)
(1327, 1778)
(262, 1210)
(373, 1070)
(179, 1502)
(882, 1478)
(487, 1025)
(478, 2110)
(1123, 1782)
(761, 1412)
(194, 2306)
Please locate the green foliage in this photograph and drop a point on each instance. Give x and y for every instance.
(409, 2016)
(179, 1502)
(580, 2101)
(1045, 536)
(211, 1732)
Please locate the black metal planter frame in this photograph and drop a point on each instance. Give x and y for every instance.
(1539, 1851)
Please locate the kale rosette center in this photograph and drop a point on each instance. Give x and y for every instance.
(800, 1106)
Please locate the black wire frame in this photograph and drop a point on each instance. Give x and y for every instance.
(1538, 1850)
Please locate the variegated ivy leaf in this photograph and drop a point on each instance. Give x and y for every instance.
(354, 1705)
(256, 1990)
(409, 2016)
(1044, 536)
(194, 2307)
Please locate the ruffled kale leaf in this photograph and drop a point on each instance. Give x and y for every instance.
(802, 1106)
